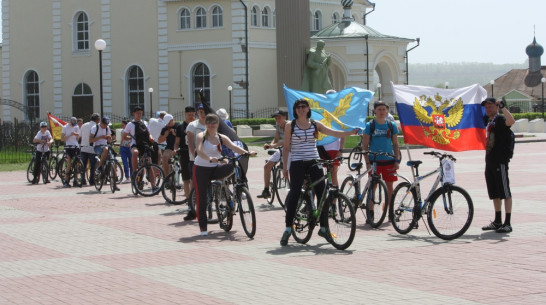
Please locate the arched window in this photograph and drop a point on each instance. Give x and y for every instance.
(82, 89)
(201, 18)
(254, 16)
(135, 88)
(217, 18)
(274, 19)
(32, 95)
(81, 32)
(335, 18)
(201, 80)
(317, 21)
(185, 19)
(265, 17)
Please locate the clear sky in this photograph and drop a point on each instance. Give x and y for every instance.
(496, 31)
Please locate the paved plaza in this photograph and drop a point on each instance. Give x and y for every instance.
(76, 246)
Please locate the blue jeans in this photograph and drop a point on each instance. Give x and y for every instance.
(125, 153)
(91, 157)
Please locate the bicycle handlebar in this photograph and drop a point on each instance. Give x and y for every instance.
(375, 154)
(439, 155)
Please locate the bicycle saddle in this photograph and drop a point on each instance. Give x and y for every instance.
(414, 163)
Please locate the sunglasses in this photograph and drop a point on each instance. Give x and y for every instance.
(301, 106)
(211, 123)
(43, 126)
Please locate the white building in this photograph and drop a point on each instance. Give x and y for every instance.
(50, 64)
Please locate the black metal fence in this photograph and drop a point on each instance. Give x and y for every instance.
(16, 140)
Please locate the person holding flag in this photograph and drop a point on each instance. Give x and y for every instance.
(300, 141)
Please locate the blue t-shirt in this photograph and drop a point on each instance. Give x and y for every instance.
(381, 140)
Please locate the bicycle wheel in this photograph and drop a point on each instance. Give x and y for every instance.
(341, 221)
(45, 171)
(61, 170)
(348, 188)
(169, 190)
(119, 172)
(99, 178)
(148, 180)
(52, 167)
(78, 171)
(303, 226)
(30, 171)
(376, 203)
(245, 208)
(272, 188)
(450, 212)
(282, 186)
(112, 176)
(223, 209)
(354, 158)
(403, 206)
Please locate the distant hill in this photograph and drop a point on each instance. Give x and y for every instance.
(458, 74)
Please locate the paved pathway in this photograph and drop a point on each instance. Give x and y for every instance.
(74, 246)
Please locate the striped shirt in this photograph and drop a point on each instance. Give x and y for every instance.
(303, 144)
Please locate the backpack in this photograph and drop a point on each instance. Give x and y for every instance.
(313, 123)
(511, 143)
(141, 132)
(389, 134)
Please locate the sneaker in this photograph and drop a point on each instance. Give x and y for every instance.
(191, 216)
(265, 194)
(204, 233)
(84, 183)
(325, 234)
(284, 238)
(504, 229)
(116, 188)
(127, 180)
(492, 226)
(155, 189)
(66, 185)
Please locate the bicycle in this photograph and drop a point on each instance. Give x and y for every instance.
(148, 179)
(234, 187)
(448, 207)
(53, 163)
(341, 226)
(375, 190)
(278, 185)
(76, 168)
(119, 169)
(172, 182)
(108, 172)
(44, 171)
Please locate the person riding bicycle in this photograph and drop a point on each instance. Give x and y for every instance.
(101, 135)
(207, 166)
(384, 139)
(140, 136)
(280, 119)
(70, 135)
(43, 141)
(301, 143)
(168, 135)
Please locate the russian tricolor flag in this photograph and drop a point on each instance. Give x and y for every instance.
(446, 119)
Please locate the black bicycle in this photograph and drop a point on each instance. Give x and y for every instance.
(278, 185)
(148, 179)
(76, 171)
(108, 172)
(44, 170)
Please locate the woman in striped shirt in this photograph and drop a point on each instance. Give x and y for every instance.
(300, 142)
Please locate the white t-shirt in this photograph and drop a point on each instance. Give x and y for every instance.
(155, 127)
(101, 132)
(72, 140)
(85, 134)
(43, 136)
(196, 128)
(332, 146)
(130, 129)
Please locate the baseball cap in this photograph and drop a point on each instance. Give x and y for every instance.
(105, 120)
(137, 108)
(73, 120)
(200, 106)
(43, 124)
(491, 100)
(167, 118)
(278, 112)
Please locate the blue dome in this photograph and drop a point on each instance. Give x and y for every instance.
(534, 49)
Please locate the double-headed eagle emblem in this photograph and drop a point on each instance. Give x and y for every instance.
(437, 122)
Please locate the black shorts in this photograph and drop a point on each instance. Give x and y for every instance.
(496, 178)
(185, 165)
(71, 152)
(142, 147)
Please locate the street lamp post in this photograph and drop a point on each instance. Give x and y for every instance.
(151, 90)
(379, 90)
(229, 89)
(492, 82)
(446, 85)
(543, 80)
(100, 45)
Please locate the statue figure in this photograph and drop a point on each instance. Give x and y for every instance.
(315, 73)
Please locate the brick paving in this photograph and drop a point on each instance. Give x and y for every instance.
(76, 246)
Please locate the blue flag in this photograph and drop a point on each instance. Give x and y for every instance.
(343, 110)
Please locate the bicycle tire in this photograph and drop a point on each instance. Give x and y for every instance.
(354, 158)
(44, 171)
(303, 224)
(450, 222)
(348, 188)
(30, 171)
(112, 176)
(169, 190)
(245, 208)
(212, 216)
(272, 186)
(148, 180)
(282, 187)
(404, 208)
(376, 195)
(99, 181)
(341, 222)
(61, 170)
(52, 167)
(78, 172)
(225, 216)
(119, 172)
